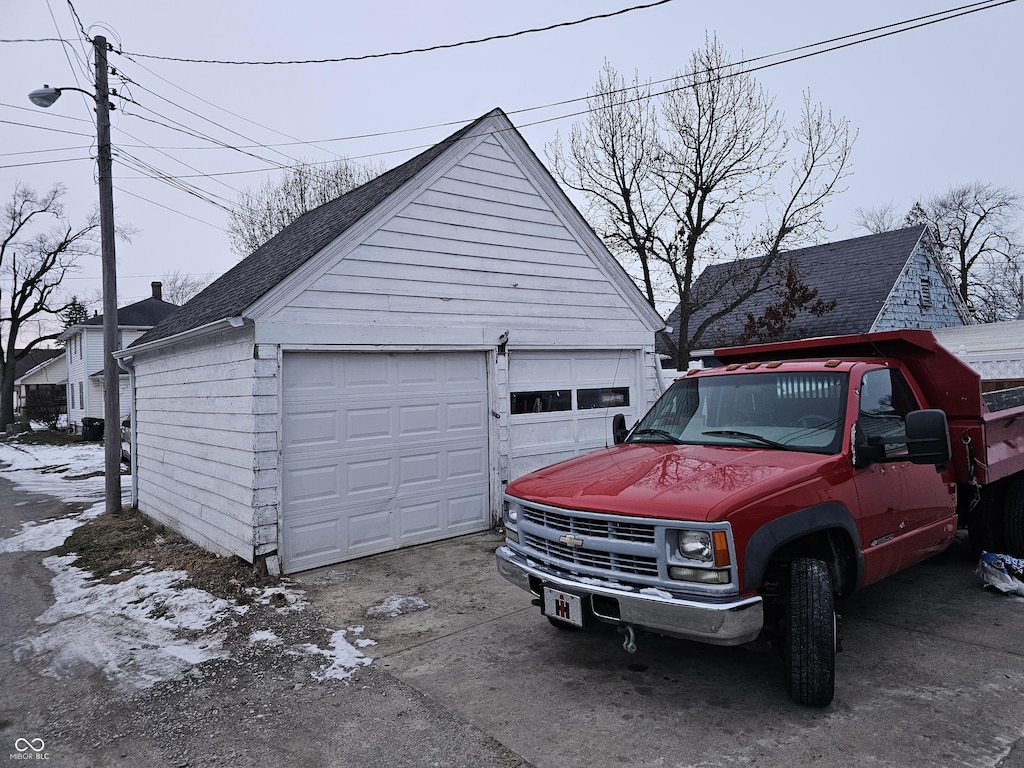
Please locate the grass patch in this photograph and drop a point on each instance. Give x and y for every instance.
(45, 437)
(115, 546)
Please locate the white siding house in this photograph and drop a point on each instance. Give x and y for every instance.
(83, 353)
(374, 375)
(40, 372)
(994, 350)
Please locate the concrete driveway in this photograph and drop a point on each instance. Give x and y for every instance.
(932, 671)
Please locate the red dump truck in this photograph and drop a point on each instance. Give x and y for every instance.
(756, 493)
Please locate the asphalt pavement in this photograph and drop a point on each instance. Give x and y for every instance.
(469, 674)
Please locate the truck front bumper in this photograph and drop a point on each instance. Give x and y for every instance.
(730, 623)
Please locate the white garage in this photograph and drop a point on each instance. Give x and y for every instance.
(374, 375)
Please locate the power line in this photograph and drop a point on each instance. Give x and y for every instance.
(168, 208)
(411, 50)
(735, 69)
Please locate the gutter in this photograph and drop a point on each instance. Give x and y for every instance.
(194, 333)
(127, 363)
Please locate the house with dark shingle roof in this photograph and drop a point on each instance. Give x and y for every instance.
(375, 374)
(83, 352)
(877, 282)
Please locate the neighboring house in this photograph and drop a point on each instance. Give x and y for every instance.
(877, 283)
(994, 350)
(83, 348)
(40, 372)
(375, 374)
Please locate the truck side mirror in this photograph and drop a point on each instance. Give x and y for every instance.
(619, 430)
(928, 438)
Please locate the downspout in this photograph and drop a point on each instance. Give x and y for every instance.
(128, 364)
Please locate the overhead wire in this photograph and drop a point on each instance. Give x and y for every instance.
(733, 69)
(444, 46)
(821, 47)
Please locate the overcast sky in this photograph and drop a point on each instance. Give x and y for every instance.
(934, 106)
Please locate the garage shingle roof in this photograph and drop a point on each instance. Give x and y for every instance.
(268, 265)
(856, 274)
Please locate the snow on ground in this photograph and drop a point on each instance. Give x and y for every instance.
(147, 628)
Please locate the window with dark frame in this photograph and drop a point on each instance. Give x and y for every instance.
(602, 397)
(543, 401)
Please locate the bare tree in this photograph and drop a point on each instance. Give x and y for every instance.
(881, 218)
(34, 258)
(178, 287)
(976, 233)
(672, 188)
(261, 214)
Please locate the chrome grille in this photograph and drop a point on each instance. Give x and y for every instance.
(584, 526)
(633, 565)
(591, 544)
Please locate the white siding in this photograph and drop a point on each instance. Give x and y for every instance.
(198, 436)
(479, 245)
(907, 305)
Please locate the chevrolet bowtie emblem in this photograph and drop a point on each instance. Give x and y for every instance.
(570, 541)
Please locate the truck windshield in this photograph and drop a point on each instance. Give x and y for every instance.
(797, 411)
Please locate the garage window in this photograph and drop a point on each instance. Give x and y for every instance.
(542, 402)
(551, 400)
(603, 397)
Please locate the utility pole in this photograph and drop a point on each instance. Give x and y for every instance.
(111, 377)
(45, 97)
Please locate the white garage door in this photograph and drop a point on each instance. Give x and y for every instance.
(381, 451)
(562, 403)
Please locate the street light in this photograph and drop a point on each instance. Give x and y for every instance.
(44, 97)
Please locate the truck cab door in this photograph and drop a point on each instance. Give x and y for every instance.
(907, 511)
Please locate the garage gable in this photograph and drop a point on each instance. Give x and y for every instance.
(482, 235)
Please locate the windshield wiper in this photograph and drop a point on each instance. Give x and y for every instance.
(659, 433)
(748, 436)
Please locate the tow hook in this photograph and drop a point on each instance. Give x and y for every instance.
(630, 642)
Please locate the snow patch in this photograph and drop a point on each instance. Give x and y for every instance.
(344, 657)
(134, 632)
(41, 537)
(396, 605)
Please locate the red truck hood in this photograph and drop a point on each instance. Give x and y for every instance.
(681, 482)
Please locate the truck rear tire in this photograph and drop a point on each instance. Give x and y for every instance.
(1015, 518)
(985, 524)
(811, 636)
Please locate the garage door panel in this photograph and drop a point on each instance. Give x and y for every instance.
(465, 415)
(464, 511)
(419, 420)
(420, 518)
(311, 485)
(369, 476)
(467, 463)
(606, 379)
(311, 429)
(410, 449)
(368, 529)
(418, 469)
(541, 431)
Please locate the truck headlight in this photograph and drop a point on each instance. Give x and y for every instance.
(510, 517)
(696, 545)
(511, 513)
(704, 546)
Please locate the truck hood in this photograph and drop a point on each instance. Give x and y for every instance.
(681, 482)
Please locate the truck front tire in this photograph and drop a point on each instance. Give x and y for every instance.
(811, 635)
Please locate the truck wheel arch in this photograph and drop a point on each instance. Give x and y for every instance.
(804, 523)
